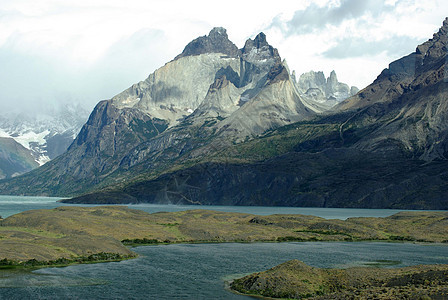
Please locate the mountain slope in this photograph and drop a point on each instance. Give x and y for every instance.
(14, 158)
(409, 100)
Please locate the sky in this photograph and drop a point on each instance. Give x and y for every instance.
(54, 52)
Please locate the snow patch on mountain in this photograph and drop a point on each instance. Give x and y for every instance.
(4, 134)
(26, 139)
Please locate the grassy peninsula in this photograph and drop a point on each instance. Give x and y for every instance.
(89, 234)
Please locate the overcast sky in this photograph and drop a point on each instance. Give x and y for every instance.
(59, 51)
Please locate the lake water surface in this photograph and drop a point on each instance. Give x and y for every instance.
(10, 205)
(199, 271)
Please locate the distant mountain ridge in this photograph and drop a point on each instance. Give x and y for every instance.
(324, 92)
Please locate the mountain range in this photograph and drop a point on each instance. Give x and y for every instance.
(229, 126)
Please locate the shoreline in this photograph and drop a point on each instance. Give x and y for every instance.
(33, 264)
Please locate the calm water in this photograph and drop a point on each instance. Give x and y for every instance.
(10, 205)
(198, 271)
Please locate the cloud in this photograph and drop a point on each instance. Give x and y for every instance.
(349, 47)
(33, 80)
(314, 18)
(130, 60)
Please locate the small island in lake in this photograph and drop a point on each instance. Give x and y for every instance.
(296, 280)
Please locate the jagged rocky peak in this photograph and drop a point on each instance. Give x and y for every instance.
(315, 86)
(259, 50)
(312, 80)
(437, 46)
(216, 41)
(354, 90)
(333, 79)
